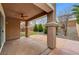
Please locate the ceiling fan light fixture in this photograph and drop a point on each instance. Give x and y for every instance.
(22, 15)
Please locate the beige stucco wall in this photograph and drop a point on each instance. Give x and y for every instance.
(12, 28)
(77, 27)
(3, 27)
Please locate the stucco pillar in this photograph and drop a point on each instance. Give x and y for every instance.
(51, 25)
(26, 28)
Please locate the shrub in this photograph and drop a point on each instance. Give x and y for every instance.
(45, 30)
(35, 28)
(40, 28)
(76, 12)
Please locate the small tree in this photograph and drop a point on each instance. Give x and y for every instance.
(35, 28)
(45, 30)
(40, 28)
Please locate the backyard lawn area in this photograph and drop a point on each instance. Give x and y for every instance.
(30, 33)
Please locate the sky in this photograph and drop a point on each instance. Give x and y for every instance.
(62, 8)
(42, 20)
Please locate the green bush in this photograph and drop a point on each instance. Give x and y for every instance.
(77, 20)
(45, 30)
(35, 28)
(76, 12)
(40, 28)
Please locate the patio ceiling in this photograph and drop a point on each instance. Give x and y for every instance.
(30, 10)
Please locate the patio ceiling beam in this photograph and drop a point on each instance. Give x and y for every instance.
(45, 7)
(36, 16)
(51, 5)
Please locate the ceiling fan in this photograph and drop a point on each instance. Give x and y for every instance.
(21, 15)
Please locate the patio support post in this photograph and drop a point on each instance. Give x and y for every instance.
(26, 28)
(51, 36)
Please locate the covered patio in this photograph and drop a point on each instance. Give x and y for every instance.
(14, 13)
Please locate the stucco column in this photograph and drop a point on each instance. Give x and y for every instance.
(26, 28)
(51, 25)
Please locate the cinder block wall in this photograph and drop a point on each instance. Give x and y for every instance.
(12, 28)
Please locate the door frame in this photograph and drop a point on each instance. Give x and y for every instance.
(2, 30)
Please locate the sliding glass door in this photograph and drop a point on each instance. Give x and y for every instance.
(1, 33)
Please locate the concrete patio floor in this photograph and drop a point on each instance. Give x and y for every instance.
(63, 46)
(37, 45)
(24, 46)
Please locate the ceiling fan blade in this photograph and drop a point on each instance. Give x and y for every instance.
(25, 16)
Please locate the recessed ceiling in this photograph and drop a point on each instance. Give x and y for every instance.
(14, 10)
